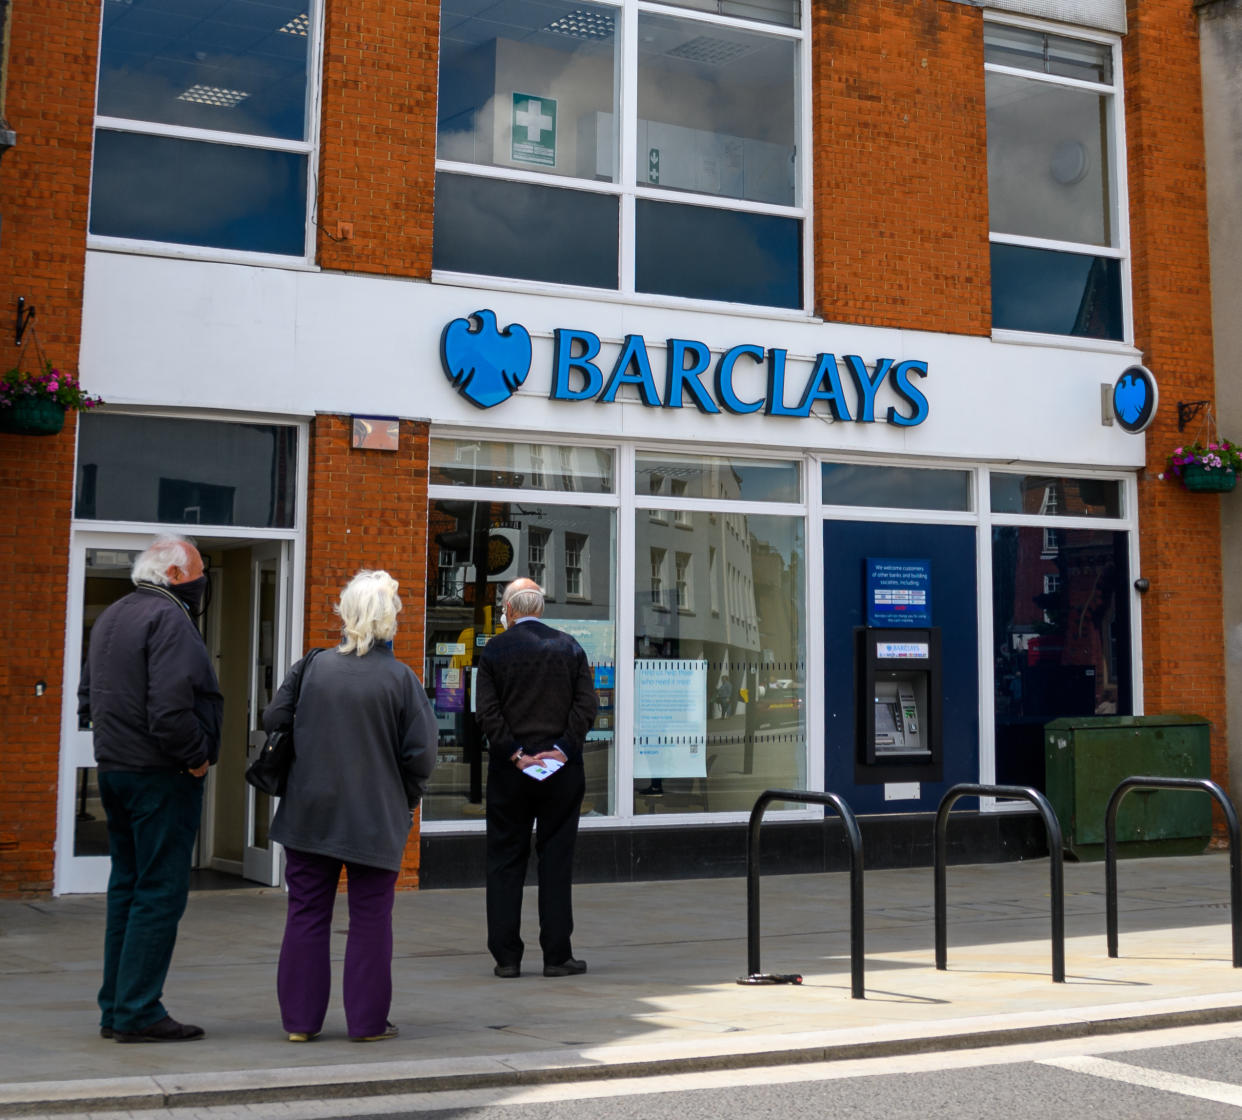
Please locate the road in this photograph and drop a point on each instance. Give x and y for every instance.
(1193, 1073)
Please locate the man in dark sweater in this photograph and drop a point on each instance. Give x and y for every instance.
(149, 692)
(536, 702)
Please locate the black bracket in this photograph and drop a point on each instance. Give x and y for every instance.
(1187, 411)
(24, 315)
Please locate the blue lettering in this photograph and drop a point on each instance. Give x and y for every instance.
(564, 360)
(867, 385)
(775, 403)
(633, 352)
(901, 383)
(680, 378)
(724, 379)
(834, 394)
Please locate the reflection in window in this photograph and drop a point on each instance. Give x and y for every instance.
(576, 540)
(238, 71)
(520, 466)
(134, 468)
(719, 696)
(851, 484)
(1055, 496)
(1060, 626)
(90, 823)
(708, 476)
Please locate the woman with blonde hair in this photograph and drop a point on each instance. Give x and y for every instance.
(365, 740)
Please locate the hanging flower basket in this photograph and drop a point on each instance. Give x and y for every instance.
(34, 404)
(1218, 480)
(32, 416)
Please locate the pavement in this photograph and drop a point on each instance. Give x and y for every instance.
(661, 994)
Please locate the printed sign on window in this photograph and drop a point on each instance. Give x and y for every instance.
(534, 130)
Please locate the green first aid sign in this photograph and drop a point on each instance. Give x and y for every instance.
(534, 130)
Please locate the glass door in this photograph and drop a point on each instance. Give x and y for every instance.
(269, 661)
(99, 567)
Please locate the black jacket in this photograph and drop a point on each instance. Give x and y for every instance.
(148, 686)
(535, 691)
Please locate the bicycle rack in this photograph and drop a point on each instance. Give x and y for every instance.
(1110, 850)
(854, 836)
(1053, 828)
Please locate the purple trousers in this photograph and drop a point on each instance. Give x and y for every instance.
(304, 976)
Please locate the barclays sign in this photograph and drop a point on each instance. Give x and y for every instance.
(487, 365)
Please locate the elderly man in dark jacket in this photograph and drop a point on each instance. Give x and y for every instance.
(536, 701)
(150, 693)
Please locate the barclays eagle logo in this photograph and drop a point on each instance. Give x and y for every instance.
(485, 365)
(1135, 398)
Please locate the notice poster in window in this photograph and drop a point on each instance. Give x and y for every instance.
(898, 592)
(451, 691)
(670, 719)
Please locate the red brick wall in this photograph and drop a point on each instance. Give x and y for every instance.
(901, 186)
(43, 198)
(368, 509)
(377, 167)
(1183, 631)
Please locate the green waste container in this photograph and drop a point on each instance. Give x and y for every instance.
(1086, 757)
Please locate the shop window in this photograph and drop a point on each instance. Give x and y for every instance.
(1054, 183)
(202, 134)
(719, 698)
(1054, 625)
(851, 484)
(537, 559)
(1055, 496)
(185, 472)
(517, 466)
(458, 627)
(533, 117)
(706, 476)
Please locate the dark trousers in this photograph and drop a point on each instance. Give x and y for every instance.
(515, 803)
(304, 975)
(152, 824)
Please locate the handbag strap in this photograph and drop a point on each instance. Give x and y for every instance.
(297, 688)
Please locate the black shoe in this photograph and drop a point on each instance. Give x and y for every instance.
(570, 967)
(105, 1032)
(166, 1030)
(651, 791)
(508, 971)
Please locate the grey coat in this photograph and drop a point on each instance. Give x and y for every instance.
(365, 739)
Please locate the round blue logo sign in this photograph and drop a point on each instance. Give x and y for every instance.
(1135, 398)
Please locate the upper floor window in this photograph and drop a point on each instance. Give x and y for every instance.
(1055, 183)
(202, 128)
(553, 167)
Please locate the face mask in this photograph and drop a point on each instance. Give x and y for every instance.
(190, 592)
(504, 619)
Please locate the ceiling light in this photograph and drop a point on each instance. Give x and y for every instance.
(213, 95)
(299, 25)
(714, 52)
(584, 23)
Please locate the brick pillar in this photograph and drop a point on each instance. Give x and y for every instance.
(900, 148)
(1183, 632)
(377, 161)
(368, 509)
(44, 182)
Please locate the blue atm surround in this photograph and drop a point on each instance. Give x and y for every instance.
(951, 550)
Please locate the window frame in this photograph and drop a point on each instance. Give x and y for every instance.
(1119, 203)
(628, 190)
(309, 148)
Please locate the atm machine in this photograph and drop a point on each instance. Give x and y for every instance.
(898, 705)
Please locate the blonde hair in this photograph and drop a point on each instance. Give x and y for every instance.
(368, 610)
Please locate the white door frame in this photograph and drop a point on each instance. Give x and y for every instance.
(262, 863)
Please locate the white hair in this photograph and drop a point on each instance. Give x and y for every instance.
(525, 601)
(368, 610)
(161, 554)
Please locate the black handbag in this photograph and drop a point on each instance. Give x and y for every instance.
(269, 772)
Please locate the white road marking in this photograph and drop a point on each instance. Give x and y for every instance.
(1219, 1091)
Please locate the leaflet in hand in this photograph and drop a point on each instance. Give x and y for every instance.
(541, 770)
